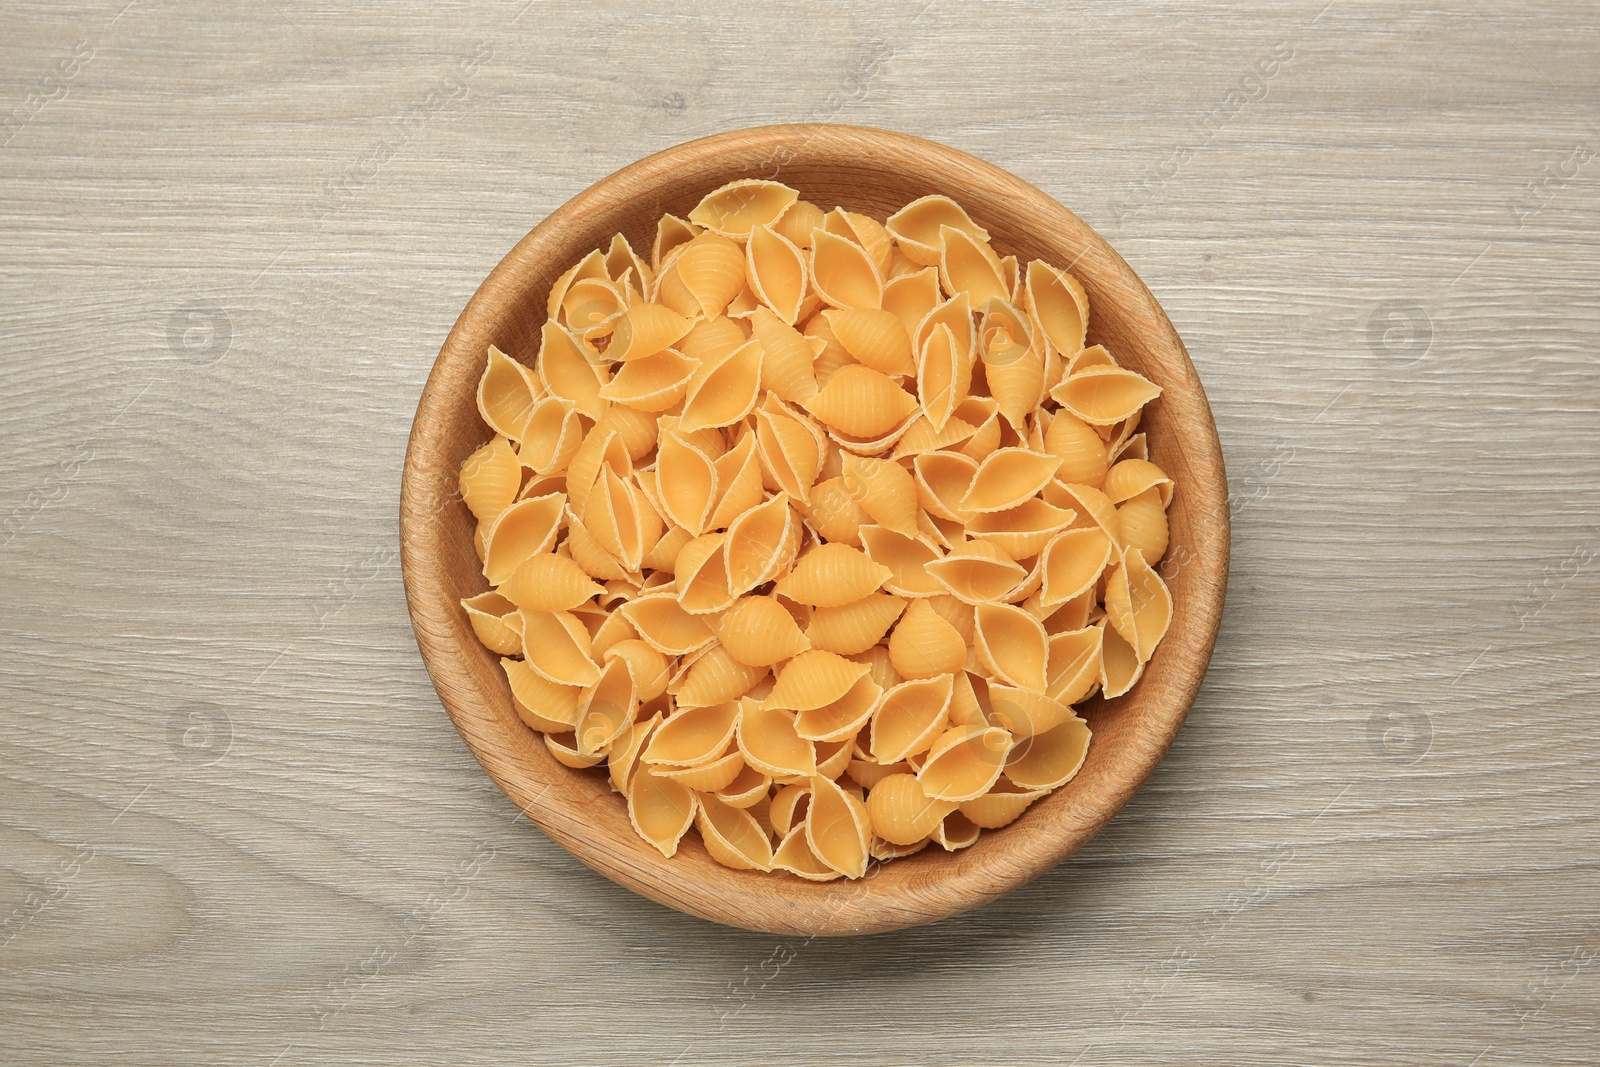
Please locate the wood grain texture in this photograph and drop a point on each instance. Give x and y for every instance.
(1375, 839)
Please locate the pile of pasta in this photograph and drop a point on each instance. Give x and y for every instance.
(813, 528)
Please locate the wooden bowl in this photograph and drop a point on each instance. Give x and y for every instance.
(875, 172)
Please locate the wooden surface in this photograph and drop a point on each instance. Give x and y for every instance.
(235, 824)
(874, 172)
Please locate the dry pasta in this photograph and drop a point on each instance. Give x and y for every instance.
(810, 531)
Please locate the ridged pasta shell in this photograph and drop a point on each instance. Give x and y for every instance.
(901, 812)
(915, 227)
(797, 222)
(996, 808)
(956, 832)
(761, 543)
(548, 582)
(1102, 396)
(739, 476)
(495, 621)
(592, 265)
(978, 572)
(852, 628)
(1094, 508)
(1120, 665)
(834, 756)
(786, 365)
(739, 207)
(645, 330)
(911, 296)
(671, 233)
(843, 718)
(828, 356)
(1052, 759)
(758, 631)
(711, 269)
(921, 437)
(747, 790)
(606, 709)
(587, 553)
(1011, 644)
(944, 375)
(565, 751)
(795, 856)
(943, 479)
(591, 306)
(1008, 477)
(1023, 712)
(724, 390)
(834, 514)
(777, 271)
(788, 807)
(968, 265)
(521, 531)
(984, 414)
(906, 557)
(551, 436)
(621, 519)
(506, 394)
(1015, 374)
(733, 836)
(1072, 563)
(603, 448)
(620, 256)
(1024, 530)
(791, 452)
(716, 677)
(924, 645)
(1082, 453)
(693, 737)
(637, 429)
(665, 626)
(885, 490)
(701, 577)
(1143, 522)
(660, 809)
(769, 742)
(556, 645)
(712, 339)
(1074, 667)
(556, 705)
(687, 483)
(489, 479)
(843, 273)
(1059, 307)
(569, 367)
(613, 629)
(624, 756)
(861, 402)
(1130, 477)
(708, 777)
(832, 575)
(910, 717)
(1138, 604)
(865, 231)
(654, 383)
(644, 664)
(814, 679)
(964, 762)
(875, 338)
(838, 828)
(956, 613)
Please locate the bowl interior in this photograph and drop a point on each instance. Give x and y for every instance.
(874, 172)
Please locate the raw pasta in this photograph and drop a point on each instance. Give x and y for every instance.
(810, 530)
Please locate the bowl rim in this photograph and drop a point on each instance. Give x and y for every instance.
(770, 902)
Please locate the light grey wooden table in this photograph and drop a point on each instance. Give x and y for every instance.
(236, 825)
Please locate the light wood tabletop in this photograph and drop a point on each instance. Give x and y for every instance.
(236, 826)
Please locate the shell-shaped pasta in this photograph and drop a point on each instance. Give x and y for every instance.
(843, 272)
(1130, 477)
(686, 479)
(495, 621)
(768, 740)
(620, 518)
(733, 836)
(861, 402)
(838, 828)
(620, 256)
(978, 572)
(1143, 522)
(590, 307)
(795, 856)
(865, 231)
(906, 557)
(671, 234)
(1083, 454)
(1094, 508)
(834, 514)
(654, 383)
(1072, 563)
(551, 436)
(832, 575)
(606, 710)
(791, 452)
(758, 631)
(522, 531)
(712, 339)
(613, 628)
(916, 227)
(1120, 665)
(910, 717)
(912, 296)
(944, 375)
(660, 809)
(723, 391)
(943, 479)
(644, 664)
(853, 628)
(587, 553)
(924, 644)
(956, 613)
(701, 577)
(711, 269)
(624, 755)
(1102, 396)
(645, 330)
(797, 222)
(489, 479)
(1023, 530)
(1015, 374)
(828, 356)
(777, 271)
(1138, 604)
(841, 719)
(786, 363)
(997, 808)
(604, 448)
(570, 369)
(968, 265)
(956, 832)
(761, 543)
(665, 626)
(554, 704)
(693, 737)
(814, 679)
(964, 762)
(747, 790)
(548, 582)
(984, 414)
(1059, 307)
(834, 756)
(556, 645)
(708, 777)
(901, 812)
(662, 560)
(1074, 668)
(1023, 712)
(875, 338)
(1008, 477)
(1011, 644)
(1051, 759)
(739, 476)
(506, 394)
(885, 490)
(739, 207)
(592, 265)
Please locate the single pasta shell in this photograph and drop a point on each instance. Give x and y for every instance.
(867, 773)
(771, 745)
(548, 582)
(638, 430)
(701, 577)
(1094, 508)
(750, 788)
(915, 227)
(496, 622)
(1024, 530)
(944, 376)
(777, 271)
(864, 231)
(968, 265)
(901, 813)
(506, 394)
(671, 233)
(716, 677)
(490, 478)
(607, 708)
(1074, 667)
(834, 514)
(964, 762)
(1015, 375)
(788, 806)
(1138, 604)
(1082, 452)
(712, 339)
(906, 557)
(522, 531)
(838, 828)
(723, 391)
(660, 809)
(1007, 478)
(711, 268)
(1011, 644)
(795, 856)
(786, 365)
(843, 273)
(693, 737)
(791, 452)
(1059, 307)
(556, 645)
(620, 256)
(814, 679)
(708, 777)
(624, 756)
(875, 338)
(885, 490)
(733, 836)
(1120, 665)
(911, 296)
(1130, 477)
(924, 645)
(570, 369)
(562, 747)
(603, 448)
(686, 478)
(1050, 760)
(551, 436)
(978, 572)
(1072, 563)
(592, 265)
(956, 832)
(555, 704)
(910, 717)
(920, 437)
(855, 627)
(1143, 521)
(832, 575)
(758, 632)
(834, 756)
(797, 222)
(739, 479)
(943, 479)
(861, 402)
(761, 543)
(645, 665)
(739, 207)
(663, 558)
(665, 626)
(1102, 396)
(843, 718)
(996, 809)
(1023, 712)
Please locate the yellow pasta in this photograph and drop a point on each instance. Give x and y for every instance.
(810, 530)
